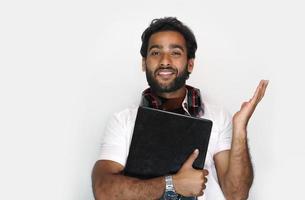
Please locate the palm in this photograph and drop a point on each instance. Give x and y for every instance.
(241, 118)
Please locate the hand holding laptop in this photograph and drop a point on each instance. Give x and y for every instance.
(189, 181)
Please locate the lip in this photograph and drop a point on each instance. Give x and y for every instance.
(165, 73)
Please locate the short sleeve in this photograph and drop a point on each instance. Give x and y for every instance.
(225, 132)
(113, 145)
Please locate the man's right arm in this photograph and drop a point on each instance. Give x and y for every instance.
(109, 183)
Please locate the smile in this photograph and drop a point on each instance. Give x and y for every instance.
(165, 73)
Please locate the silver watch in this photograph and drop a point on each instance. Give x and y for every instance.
(169, 186)
(170, 193)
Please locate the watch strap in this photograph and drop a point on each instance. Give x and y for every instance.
(169, 186)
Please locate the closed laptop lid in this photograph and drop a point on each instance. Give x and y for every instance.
(162, 141)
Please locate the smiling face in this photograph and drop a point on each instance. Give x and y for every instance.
(166, 65)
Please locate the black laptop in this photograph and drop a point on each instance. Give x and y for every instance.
(162, 141)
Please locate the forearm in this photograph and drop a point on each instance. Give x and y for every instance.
(119, 187)
(239, 176)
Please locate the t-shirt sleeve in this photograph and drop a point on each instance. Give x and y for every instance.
(225, 132)
(113, 145)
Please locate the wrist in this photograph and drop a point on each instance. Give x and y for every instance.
(240, 132)
(170, 192)
(175, 183)
(169, 185)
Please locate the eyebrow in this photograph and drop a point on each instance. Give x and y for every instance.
(174, 46)
(171, 46)
(155, 46)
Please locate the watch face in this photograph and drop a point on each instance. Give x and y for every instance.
(170, 195)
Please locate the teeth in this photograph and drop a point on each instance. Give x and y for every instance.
(165, 73)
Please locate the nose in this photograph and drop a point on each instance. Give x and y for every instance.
(165, 60)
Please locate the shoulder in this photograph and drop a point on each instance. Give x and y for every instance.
(126, 116)
(221, 134)
(121, 123)
(220, 116)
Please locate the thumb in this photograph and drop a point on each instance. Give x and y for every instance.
(189, 162)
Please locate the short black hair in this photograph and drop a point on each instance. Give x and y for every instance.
(169, 24)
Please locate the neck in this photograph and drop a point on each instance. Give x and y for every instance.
(175, 94)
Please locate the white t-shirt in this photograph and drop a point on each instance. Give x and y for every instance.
(118, 134)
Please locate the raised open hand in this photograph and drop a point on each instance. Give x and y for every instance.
(241, 118)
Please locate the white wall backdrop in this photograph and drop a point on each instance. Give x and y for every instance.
(66, 66)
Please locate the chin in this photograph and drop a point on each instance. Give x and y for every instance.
(166, 85)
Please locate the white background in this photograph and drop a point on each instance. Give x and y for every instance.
(66, 66)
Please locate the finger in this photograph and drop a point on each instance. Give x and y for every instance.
(243, 105)
(189, 162)
(264, 87)
(261, 92)
(205, 180)
(200, 193)
(257, 92)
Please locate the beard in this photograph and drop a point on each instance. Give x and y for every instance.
(174, 85)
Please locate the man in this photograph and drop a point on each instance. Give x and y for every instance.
(168, 51)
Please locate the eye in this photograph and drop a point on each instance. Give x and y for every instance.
(176, 53)
(154, 53)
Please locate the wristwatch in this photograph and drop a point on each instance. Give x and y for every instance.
(170, 193)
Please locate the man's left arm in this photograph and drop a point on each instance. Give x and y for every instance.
(234, 168)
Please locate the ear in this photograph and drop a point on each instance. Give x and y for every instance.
(190, 65)
(143, 64)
